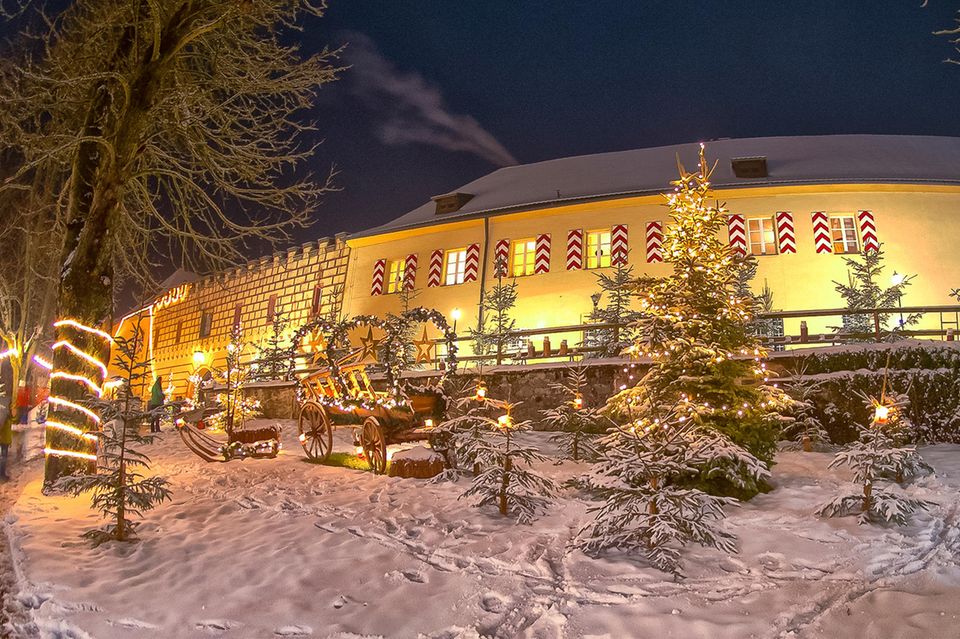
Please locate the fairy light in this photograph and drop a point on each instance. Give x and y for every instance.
(78, 378)
(77, 407)
(69, 453)
(82, 327)
(10, 352)
(93, 361)
(881, 414)
(73, 430)
(39, 361)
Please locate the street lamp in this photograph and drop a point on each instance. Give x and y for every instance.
(199, 359)
(455, 315)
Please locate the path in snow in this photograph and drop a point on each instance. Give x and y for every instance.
(287, 548)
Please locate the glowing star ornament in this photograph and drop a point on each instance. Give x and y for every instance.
(315, 343)
(425, 348)
(368, 347)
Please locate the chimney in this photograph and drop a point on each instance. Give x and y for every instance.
(451, 202)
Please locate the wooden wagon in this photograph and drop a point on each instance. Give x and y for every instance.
(343, 396)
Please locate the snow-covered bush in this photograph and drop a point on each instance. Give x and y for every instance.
(804, 431)
(880, 463)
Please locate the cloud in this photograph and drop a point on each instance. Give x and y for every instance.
(412, 109)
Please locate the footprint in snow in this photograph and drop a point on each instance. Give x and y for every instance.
(339, 602)
(293, 631)
(414, 575)
(493, 602)
(216, 625)
(127, 622)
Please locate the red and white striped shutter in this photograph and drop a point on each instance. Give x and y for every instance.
(575, 249)
(541, 255)
(410, 272)
(619, 245)
(654, 242)
(501, 259)
(471, 267)
(786, 238)
(821, 232)
(868, 231)
(737, 232)
(435, 269)
(379, 268)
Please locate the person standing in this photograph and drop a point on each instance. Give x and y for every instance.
(156, 401)
(6, 438)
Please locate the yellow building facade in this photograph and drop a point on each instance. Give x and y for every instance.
(799, 204)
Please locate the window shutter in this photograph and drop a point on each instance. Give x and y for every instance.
(317, 300)
(379, 269)
(821, 232)
(541, 256)
(410, 272)
(654, 242)
(868, 231)
(435, 272)
(737, 233)
(471, 266)
(786, 238)
(271, 307)
(619, 247)
(501, 259)
(575, 249)
(237, 313)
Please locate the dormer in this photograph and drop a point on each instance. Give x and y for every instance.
(752, 167)
(451, 202)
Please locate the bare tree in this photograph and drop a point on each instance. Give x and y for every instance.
(170, 128)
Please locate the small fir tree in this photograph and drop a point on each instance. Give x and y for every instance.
(695, 329)
(275, 357)
(645, 479)
(399, 352)
(864, 291)
(881, 462)
(121, 490)
(506, 479)
(494, 335)
(578, 424)
(617, 290)
(236, 409)
(805, 431)
(464, 432)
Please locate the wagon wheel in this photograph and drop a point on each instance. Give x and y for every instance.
(374, 445)
(315, 433)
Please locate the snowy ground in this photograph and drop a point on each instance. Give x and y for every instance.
(282, 547)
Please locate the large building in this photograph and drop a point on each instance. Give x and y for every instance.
(799, 204)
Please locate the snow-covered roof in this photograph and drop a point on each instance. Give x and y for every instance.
(821, 159)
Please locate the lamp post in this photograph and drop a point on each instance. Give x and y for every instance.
(455, 315)
(897, 279)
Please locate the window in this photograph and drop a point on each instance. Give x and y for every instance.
(176, 339)
(522, 253)
(762, 237)
(598, 249)
(395, 271)
(237, 314)
(843, 231)
(206, 323)
(454, 265)
(317, 302)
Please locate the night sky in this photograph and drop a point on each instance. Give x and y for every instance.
(442, 92)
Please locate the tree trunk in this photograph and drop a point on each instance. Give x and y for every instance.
(507, 466)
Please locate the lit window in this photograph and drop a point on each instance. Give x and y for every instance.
(763, 239)
(454, 265)
(523, 253)
(395, 275)
(598, 249)
(843, 231)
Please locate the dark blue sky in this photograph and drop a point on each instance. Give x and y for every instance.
(549, 79)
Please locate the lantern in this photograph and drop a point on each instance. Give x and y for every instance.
(881, 414)
(578, 402)
(481, 392)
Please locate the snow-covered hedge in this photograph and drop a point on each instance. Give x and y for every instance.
(927, 372)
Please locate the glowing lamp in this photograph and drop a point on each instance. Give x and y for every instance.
(881, 414)
(504, 421)
(897, 278)
(302, 437)
(199, 359)
(428, 423)
(360, 451)
(455, 314)
(578, 402)
(481, 392)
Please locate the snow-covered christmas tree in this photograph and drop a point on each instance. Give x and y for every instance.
(121, 489)
(804, 430)
(236, 408)
(494, 335)
(696, 330)
(578, 423)
(505, 478)
(882, 463)
(647, 478)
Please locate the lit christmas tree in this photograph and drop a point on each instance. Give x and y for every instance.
(236, 409)
(578, 423)
(880, 461)
(696, 330)
(275, 358)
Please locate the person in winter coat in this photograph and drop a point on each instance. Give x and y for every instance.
(6, 438)
(156, 401)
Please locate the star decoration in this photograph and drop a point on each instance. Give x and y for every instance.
(425, 347)
(368, 346)
(316, 344)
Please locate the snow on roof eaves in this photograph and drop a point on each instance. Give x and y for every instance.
(791, 161)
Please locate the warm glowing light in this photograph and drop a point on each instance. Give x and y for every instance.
(881, 414)
(42, 362)
(83, 327)
(73, 430)
(578, 402)
(428, 423)
(481, 392)
(504, 421)
(302, 437)
(897, 278)
(90, 359)
(69, 453)
(456, 314)
(79, 378)
(77, 407)
(359, 451)
(8, 353)
(199, 358)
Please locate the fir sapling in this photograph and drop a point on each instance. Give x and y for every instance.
(880, 465)
(578, 424)
(505, 478)
(121, 490)
(804, 429)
